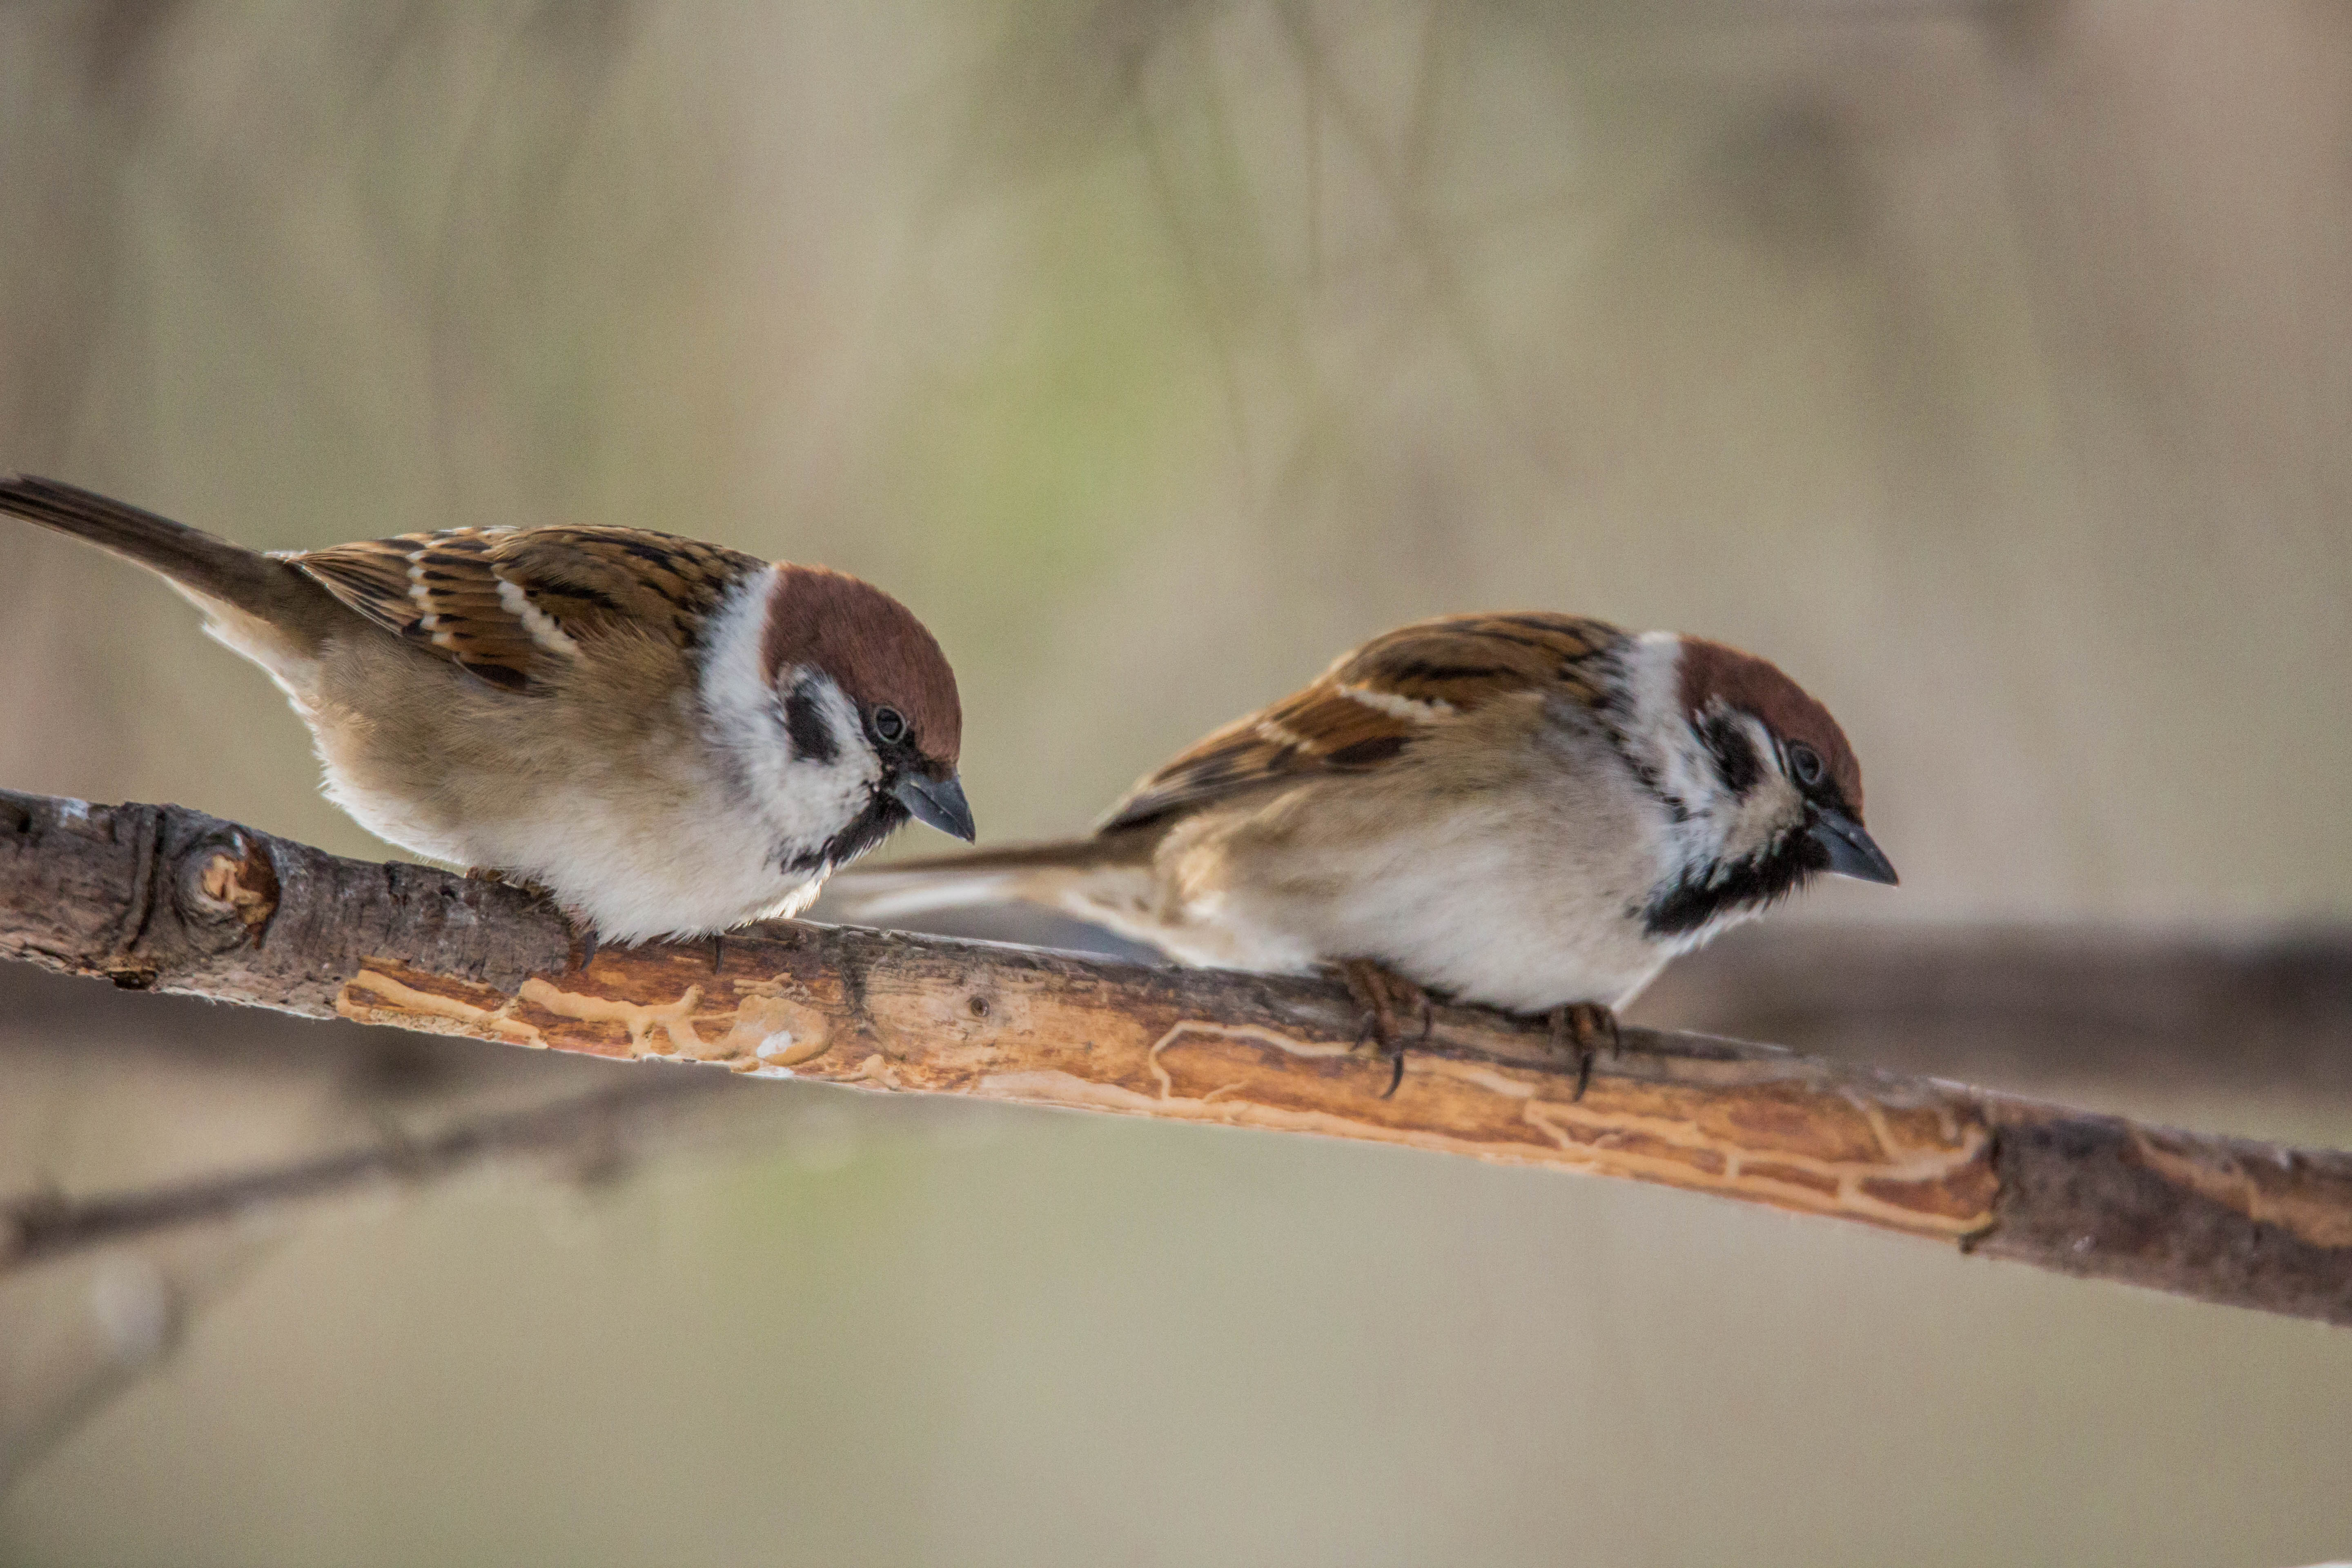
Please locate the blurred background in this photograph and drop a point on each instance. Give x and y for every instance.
(1989, 367)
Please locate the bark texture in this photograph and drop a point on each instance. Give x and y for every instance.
(162, 897)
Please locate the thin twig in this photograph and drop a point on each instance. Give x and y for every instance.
(588, 1127)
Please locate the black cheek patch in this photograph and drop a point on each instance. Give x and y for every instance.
(1735, 757)
(804, 722)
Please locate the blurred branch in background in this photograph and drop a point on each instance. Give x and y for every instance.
(173, 1249)
(75, 1340)
(592, 1134)
(167, 897)
(2168, 1012)
(249, 1116)
(272, 1113)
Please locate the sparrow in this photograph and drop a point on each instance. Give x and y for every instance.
(670, 738)
(1531, 811)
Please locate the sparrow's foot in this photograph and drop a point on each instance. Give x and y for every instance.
(507, 879)
(584, 930)
(1582, 1028)
(1386, 996)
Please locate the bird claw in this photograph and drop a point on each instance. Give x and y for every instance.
(586, 936)
(584, 930)
(1582, 1027)
(1383, 993)
(508, 879)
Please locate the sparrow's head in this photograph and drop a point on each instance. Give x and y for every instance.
(1764, 784)
(855, 724)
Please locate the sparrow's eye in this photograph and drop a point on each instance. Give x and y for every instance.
(1805, 765)
(890, 726)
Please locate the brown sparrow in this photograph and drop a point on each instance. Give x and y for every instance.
(1531, 811)
(670, 737)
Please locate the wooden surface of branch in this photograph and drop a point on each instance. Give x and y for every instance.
(166, 898)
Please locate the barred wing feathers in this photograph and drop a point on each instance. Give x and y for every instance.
(512, 606)
(1374, 704)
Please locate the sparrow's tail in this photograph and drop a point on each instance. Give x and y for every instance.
(206, 567)
(1075, 876)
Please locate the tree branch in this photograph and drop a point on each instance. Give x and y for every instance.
(166, 898)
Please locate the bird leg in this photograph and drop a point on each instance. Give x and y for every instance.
(1582, 1027)
(1384, 994)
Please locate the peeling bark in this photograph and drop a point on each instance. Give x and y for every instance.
(170, 899)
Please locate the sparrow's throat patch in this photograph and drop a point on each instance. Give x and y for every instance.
(1732, 889)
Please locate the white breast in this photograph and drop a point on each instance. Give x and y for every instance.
(696, 869)
(1525, 893)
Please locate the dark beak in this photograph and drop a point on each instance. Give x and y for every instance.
(939, 803)
(1851, 853)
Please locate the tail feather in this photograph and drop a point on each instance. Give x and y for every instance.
(192, 560)
(1019, 873)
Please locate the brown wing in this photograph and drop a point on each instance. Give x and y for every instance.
(512, 606)
(1374, 704)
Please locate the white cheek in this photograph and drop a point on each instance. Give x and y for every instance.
(1720, 826)
(803, 799)
(1772, 803)
(810, 800)
(1761, 816)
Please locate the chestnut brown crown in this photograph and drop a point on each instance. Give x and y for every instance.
(1712, 673)
(873, 647)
